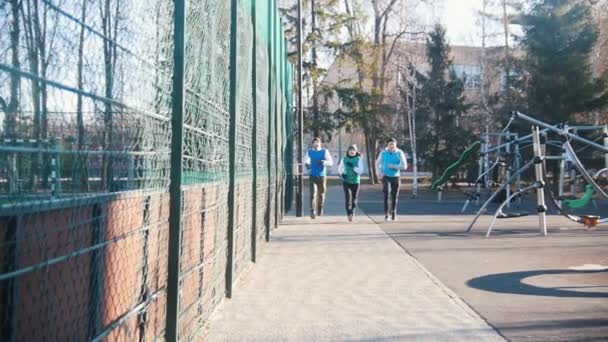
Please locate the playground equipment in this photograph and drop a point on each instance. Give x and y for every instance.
(507, 158)
(438, 184)
(568, 157)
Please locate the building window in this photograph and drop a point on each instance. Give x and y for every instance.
(470, 74)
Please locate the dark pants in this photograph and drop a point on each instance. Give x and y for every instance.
(351, 191)
(390, 184)
(317, 193)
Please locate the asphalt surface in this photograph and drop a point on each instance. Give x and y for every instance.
(527, 286)
(332, 280)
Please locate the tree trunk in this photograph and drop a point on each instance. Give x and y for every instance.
(82, 174)
(10, 119)
(507, 56)
(41, 43)
(33, 56)
(108, 56)
(435, 160)
(370, 158)
(315, 100)
(374, 157)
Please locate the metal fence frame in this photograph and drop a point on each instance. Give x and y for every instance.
(270, 191)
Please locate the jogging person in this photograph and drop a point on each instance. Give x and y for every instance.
(317, 159)
(389, 163)
(350, 168)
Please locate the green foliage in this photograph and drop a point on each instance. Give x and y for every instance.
(559, 36)
(440, 104)
(330, 22)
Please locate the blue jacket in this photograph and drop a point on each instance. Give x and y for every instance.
(318, 160)
(386, 157)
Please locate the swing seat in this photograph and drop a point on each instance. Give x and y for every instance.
(590, 221)
(511, 215)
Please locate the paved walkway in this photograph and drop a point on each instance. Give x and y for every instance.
(331, 280)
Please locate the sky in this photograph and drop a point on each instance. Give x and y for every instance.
(459, 17)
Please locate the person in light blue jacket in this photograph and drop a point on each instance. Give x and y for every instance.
(317, 160)
(389, 164)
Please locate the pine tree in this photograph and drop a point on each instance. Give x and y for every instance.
(441, 103)
(559, 36)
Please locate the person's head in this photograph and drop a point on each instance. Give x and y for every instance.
(352, 150)
(316, 143)
(391, 144)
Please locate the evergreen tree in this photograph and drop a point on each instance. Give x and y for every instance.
(321, 27)
(440, 105)
(559, 36)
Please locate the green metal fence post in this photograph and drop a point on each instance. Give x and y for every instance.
(232, 144)
(254, 138)
(175, 186)
(275, 90)
(299, 166)
(269, 140)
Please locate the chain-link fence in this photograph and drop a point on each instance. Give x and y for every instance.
(88, 104)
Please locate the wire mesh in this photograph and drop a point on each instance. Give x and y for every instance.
(206, 145)
(263, 118)
(86, 107)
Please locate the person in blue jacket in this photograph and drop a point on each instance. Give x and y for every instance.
(389, 164)
(350, 168)
(317, 160)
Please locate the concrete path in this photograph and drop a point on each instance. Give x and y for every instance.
(331, 280)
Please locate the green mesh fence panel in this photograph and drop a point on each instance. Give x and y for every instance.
(262, 89)
(205, 163)
(244, 131)
(84, 169)
(86, 108)
(289, 128)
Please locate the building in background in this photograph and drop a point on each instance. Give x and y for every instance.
(466, 63)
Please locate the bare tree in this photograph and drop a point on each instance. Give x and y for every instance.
(10, 120)
(110, 17)
(485, 18)
(12, 106)
(39, 38)
(372, 57)
(82, 174)
(510, 8)
(387, 13)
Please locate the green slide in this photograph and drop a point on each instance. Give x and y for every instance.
(452, 168)
(583, 201)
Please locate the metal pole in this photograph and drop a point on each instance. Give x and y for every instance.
(270, 47)
(233, 110)
(517, 167)
(541, 208)
(508, 172)
(300, 170)
(562, 176)
(175, 186)
(254, 138)
(412, 119)
(561, 131)
(480, 168)
(486, 162)
(573, 187)
(605, 131)
(277, 93)
(340, 143)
